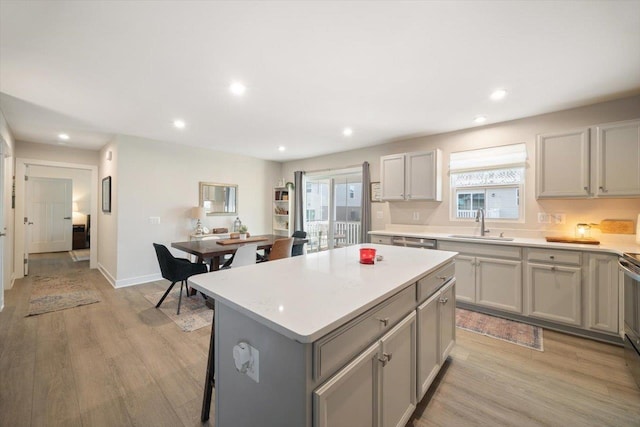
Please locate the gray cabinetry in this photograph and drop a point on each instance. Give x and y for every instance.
(412, 176)
(377, 388)
(617, 154)
(436, 335)
(562, 164)
(603, 293)
(488, 275)
(554, 284)
(568, 165)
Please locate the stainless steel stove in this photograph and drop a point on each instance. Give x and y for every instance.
(630, 264)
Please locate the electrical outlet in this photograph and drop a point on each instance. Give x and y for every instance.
(544, 218)
(416, 216)
(155, 220)
(559, 218)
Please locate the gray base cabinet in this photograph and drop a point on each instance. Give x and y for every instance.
(378, 388)
(488, 275)
(603, 291)
(555, 293)
(436, 335)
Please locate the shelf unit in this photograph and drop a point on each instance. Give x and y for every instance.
(282, 211)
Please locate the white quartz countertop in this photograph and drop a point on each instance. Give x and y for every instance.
(611, 247)
(306, 297)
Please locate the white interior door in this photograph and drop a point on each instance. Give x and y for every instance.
(49, 226)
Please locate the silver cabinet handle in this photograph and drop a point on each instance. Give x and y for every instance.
(443, 278)
(67, 217)
(586, 188)
(384, 321)
(443, 300)
(386, 357)
(553, 268)
(29, 223)
(552, 257)
(603, 189)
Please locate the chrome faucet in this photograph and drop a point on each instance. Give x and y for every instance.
(480, 218)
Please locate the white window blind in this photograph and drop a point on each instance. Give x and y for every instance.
(506, 156)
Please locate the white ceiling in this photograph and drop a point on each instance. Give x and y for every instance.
(387, 69)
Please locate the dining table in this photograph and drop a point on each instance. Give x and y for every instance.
(214, 250)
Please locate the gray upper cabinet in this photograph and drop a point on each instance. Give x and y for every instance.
(562, 164)
(569, 166)
(618, 156)
(412, 176)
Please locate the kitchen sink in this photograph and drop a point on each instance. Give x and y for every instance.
(471, 236)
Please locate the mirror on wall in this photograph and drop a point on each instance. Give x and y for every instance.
(219, 199)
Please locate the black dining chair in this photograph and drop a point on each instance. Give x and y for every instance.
(176, 270)
(298, 249)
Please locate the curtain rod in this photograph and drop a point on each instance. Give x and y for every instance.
(335, 169)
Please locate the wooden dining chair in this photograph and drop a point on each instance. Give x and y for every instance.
(281, 249)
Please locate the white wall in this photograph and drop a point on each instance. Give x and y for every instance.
(158, 179)
(7, 150)
(108, 221)
(523, 130)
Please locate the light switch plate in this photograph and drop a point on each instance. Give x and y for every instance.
(155, 220)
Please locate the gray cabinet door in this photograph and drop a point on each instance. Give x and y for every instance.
(466, 278)
(350, 398)
(428, 343)
(562, 164)
(618, 151)
(499, 284)
(447, 321)
(555, 293)
(392, 177)
(398, 373)
(603, 292)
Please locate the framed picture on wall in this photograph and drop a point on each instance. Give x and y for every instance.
(106, 194)
(376, 192)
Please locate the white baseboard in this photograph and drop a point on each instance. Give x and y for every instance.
(123, 283)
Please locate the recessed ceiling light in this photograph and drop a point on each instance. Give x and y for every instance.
(180, 124)
(63, 136)
(237, 88)
(347, 132)
(498, 94)
(480, 119)
(282, 148)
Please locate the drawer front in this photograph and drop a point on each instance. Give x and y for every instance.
(554, 256)
(382, 240)
(428, 285)
(334, 350)
(476, 249)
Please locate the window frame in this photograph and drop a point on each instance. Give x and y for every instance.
(453, 206)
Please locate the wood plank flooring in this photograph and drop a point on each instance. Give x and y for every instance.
(121, 362)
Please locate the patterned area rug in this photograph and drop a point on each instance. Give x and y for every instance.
(80, 255)
(194, 314)
(502, 329)
(59, 293)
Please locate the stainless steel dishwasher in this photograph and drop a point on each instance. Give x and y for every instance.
(414, 242)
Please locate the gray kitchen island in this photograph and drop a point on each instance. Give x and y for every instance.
(323, 340)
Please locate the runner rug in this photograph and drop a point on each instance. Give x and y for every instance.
(59, 293)
(194, 314)
(502, 329)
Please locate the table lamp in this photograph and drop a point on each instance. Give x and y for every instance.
(199, 214)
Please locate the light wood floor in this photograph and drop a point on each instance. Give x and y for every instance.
(122, 362)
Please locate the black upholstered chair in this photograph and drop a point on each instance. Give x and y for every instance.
(176, 270)
(298, 249)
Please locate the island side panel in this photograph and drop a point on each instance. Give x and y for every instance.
(281, 397)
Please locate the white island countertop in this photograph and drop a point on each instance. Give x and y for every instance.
(306, 297)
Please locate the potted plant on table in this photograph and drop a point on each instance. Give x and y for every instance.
(243, 232)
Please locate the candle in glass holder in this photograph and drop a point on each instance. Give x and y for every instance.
(367, 255)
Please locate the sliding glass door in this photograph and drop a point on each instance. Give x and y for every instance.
(333, 209)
